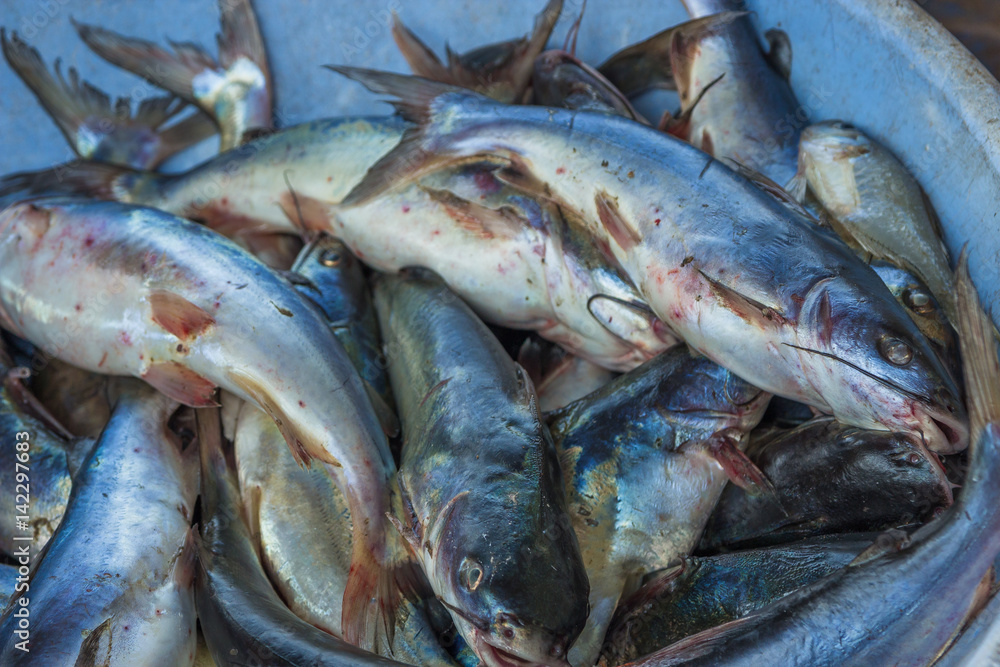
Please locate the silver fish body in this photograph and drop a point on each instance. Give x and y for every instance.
(519, 262)
(734, 102)
(174, 303)
(481, 478)
(875, 203)
(242, 617)
(122, 595)
(640, 479)
(737, 274)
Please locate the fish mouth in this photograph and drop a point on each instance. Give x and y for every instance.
(941, 433)
(493, 656)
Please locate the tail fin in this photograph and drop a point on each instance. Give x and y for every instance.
(418, 56)
(93, 179)
(376, 587)
(235, 92)
(501, 71)
(979, 353)
(83, 113)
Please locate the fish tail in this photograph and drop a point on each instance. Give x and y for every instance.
(418, 56)
(173, 71)
(979, 353)
(75, 104)
(92, 179)
(378, 582)
(240, 36)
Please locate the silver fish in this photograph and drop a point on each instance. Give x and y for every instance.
(147, 294)
(125, 597)
(645, 459)
(734, 102)
(235, 89)
(519, 262)
(486, 514)
(738, 274)
(875, 203)
(902, 601)
(243, 619)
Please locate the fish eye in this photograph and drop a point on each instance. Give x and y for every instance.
(918, 300)
(841, 125)
(330, 257)
(895, 351)
(470, 573)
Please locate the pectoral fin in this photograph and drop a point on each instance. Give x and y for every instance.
(181, 384)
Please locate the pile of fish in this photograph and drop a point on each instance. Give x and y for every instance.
(516, 376)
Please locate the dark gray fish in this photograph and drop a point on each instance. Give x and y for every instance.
(244, 620)
(903, 600)
(480, 477)
(335, 282)
(43, 481)
(114, 586)
(702, 593)
(645, 458)
(830, 478)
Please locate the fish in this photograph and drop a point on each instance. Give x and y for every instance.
(8, 580)
(143, 293)
(925, 310)
(560, 79)
(733, 270)
(235, 89)
(76, 398)
(735, 102)
(302, 523)
(905, 598)
(123, 595)
(644, 460)
(702, 593)
(334, 280)
(242, 617)
(38, 484)
(560, 378)
(875, 204)
(485, 511)
(502, 71)
(95, 128)
(979, 643)
(831, 478)
(521, 263)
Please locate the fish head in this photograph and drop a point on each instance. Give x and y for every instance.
(873, 368)
(833, 141)
(711, 396)
(915, 297)
(519, 594)
(900, 462)
(827, 155)
(333, 278)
